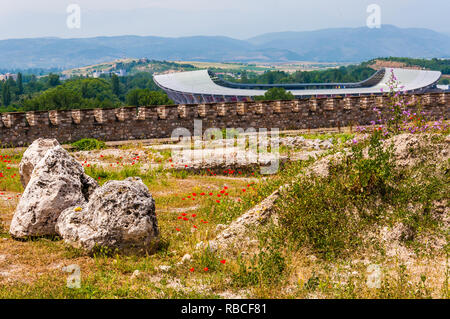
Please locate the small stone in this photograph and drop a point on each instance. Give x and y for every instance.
(135, 274)
(220, 227)
(164, 268)
(200, 245)
(186, 258)
(226, 235)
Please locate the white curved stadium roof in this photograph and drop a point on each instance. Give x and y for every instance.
(200, 82)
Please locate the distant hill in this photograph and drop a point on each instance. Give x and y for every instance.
(347, 44)
(358, 44)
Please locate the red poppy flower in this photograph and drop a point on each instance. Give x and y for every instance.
(205, 269)
(223, 261)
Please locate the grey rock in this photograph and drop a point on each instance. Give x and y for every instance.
(33, 154)
(119, 216)
(57, 182)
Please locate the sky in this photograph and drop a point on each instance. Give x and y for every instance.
(239, 19)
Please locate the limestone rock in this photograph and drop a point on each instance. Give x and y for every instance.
(120, 215)
(186, 258)
(32, 156)
(57, 182)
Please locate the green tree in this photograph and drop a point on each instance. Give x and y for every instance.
(19, 84)
(115, 84)
(244, 76)
(57, 98)
(6, 94)
(275, 94)
(146, 97)
(53, 80)
(75, 94)
(133, 97)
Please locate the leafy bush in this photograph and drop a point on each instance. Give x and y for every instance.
(207, 258)
(88, 144)
(368, 175)
(266, 268)
(74, 94)
(275, 94)
(147, 97)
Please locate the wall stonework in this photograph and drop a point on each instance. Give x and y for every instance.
(131, 123)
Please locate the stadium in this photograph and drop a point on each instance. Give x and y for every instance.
(204, 86)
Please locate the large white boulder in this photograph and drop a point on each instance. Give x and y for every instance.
(119, 216)
(56, 183)
(34, 153)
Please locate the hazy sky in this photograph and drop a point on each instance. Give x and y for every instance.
(236, 18)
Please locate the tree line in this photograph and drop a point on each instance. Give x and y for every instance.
(352, 73)
(30, 93)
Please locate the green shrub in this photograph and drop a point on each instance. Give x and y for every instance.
(88, 144)
(329, 214)
(267, 268)
(208, 259)
(275, 94)
(315, 215)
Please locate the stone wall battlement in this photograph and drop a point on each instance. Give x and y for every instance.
(130, 123)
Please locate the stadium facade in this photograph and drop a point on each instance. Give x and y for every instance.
(204, 86)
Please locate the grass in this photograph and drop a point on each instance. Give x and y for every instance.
(9, 171)
(331, 215)
(343, 137)
(88, 144)
(317, 247)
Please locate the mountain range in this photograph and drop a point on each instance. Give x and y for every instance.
(327, 45)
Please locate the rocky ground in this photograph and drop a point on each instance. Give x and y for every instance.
(196, 228)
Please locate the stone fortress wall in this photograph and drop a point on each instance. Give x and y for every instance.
(132, 123)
